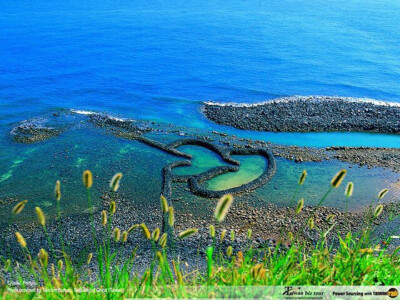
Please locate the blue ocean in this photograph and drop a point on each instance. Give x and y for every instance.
(160, 60)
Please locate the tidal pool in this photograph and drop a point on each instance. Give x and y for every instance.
(251, 167)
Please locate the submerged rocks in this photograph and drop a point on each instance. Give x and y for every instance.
(121, 127)
(309, 114)
(367, 156)
(51, 125)
(31, 132)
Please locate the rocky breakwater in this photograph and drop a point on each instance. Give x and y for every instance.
(309, 114)
(195, 181)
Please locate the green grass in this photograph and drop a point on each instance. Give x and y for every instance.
(352, 259)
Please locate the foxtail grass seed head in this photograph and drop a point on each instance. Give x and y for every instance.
(56, 283)
(19, 207)
(117, 234)
(114, 183)
(104, 218)
(382, 193)
(87, 179)
(145, 231)
(338, 178)
(349, 189)
(378, 210)
(163, 240)
(124, 237)
(179, 278)
(366, 250)
(155, 234)
(249, 233)
(299, 206)
(171, 217)
(133, 227)
(60, 265)
(223, 234)
(89, 258)
(20, 239)
(40, 215)
(7, 265)
(164, 204)
(302, 177)
(212, 231)
(159, 257)
(232, 235)
(222, 207)
(187, 233)
(229, 251)
(43, 257)
(310, 223)
(113, 207)
(57, 190)
(290, 236)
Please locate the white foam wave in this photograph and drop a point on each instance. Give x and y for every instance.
(118, 119)
(92, 113)
(83, 112)
(308, 98)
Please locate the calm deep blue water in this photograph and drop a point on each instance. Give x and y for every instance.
(159, 60)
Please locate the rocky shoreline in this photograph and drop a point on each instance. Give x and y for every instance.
(269, 224)
(308, 114)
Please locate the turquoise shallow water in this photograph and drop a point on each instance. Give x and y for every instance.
(159, 61)
(251, 167)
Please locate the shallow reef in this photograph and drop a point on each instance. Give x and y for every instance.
(31, 132)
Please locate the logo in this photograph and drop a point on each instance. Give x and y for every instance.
(393, 293)
(291, 291)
